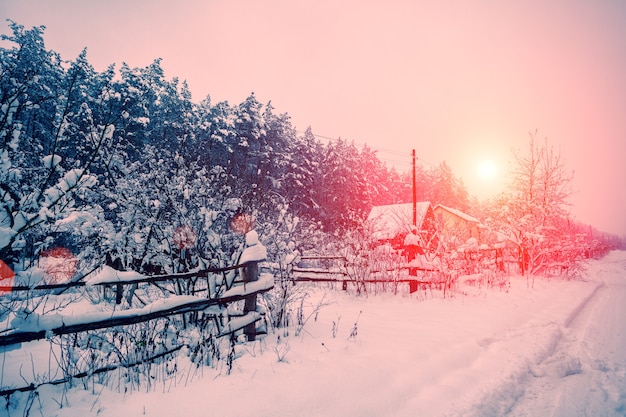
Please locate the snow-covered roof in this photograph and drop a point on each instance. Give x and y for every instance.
(390, 220)
(458, 213)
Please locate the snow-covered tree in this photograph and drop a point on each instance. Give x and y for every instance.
(49, 142)
(301, 172)
(532, 214)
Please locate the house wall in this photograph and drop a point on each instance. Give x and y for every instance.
(455, 226)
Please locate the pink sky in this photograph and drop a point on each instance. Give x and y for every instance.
(459, 81)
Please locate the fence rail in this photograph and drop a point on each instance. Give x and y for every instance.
(200, 273)
(58, 325)
(35, 327)
(340, 274)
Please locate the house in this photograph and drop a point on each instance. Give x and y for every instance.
(456, 225)
(392, 223)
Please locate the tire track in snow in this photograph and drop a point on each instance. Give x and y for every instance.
(600, 341)
(515, 354)
(535, 351)
(584, 304)
(580, 377)
(541, 383)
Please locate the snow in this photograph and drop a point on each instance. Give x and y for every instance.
(83, 222)
(5, 162)
(264, 282)
(458, 213)
(6, 233)
(550, 348)
(252, 238)
(390, 220)
(412, 239)
(240, 322)
(78, 313)
(50, 161)
(254, 251)
(107, 274)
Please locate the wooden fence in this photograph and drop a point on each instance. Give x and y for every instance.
(335, 269)
(221, 287)
(227, 291)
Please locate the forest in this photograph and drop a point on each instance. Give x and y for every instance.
(109, 165)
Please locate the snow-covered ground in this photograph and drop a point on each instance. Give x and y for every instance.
(556, 349)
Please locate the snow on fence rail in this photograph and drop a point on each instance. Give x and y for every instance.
(33, 326)
(109, 276)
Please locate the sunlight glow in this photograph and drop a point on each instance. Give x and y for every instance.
(486, 169)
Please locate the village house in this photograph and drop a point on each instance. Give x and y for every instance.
(456, 225)
(392, 223)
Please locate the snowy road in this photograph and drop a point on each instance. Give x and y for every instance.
(585, 376)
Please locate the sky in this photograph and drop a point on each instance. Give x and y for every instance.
(458, 81)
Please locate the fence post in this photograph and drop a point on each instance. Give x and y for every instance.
(250, 274)
(119, 292)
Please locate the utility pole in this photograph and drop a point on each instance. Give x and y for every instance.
(414, 191)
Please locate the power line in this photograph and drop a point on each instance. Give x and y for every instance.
(395, 161)
(391, 151)
(394, 152)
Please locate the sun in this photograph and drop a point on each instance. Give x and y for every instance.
(486, 169)
(486, 176)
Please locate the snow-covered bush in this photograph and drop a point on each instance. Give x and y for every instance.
(283, 238)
